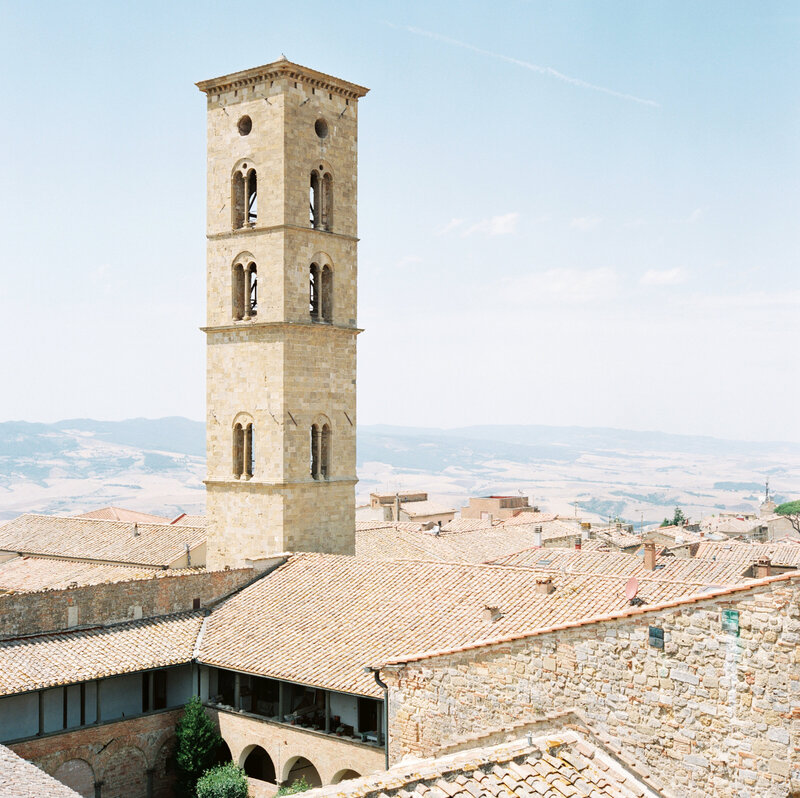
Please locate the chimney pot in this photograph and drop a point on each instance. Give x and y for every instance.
(545, 586)
(763, 567)
(649, 555)
(537, 537)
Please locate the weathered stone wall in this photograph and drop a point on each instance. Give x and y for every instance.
(122, 757)
(48, 610)
(713, 713)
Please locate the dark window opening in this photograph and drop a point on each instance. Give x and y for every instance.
(321, 200)
(367, 715)
(259, 765)
(195, 603)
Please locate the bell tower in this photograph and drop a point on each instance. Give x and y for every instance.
(281, 318)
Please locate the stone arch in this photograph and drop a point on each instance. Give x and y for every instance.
(344, 775)
(223, 755)
(244, 194)
(244, 284)
(321, 195)
(297, 767)
(125, 773)
(163, 774)
(257, 763)
(77, 774)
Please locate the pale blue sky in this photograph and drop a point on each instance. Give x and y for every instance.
(578, 213)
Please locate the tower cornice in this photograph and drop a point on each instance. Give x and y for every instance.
(282, 68)
(243, 232)
(244, 326)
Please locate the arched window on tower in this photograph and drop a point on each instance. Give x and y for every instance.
(244, 285)
(238, 451)
(326, 294)
(243, 455)
(244, 197)
(320, 292)
(313, 291)
(320, 449)
(320, 211)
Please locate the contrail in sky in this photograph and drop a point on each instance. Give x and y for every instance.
(542, 70)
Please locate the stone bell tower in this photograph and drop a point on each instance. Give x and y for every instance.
(281, 321)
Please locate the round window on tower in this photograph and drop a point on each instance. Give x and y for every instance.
(321, 128)
(245, 125)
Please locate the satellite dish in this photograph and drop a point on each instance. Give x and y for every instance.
(631, 588)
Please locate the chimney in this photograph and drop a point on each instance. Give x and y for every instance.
(135, 529)
(491, 614)
(537, 537)
(396, 506)
(489, 519)
(577, 544)
(586, 530)
(763, 567)
(545, 586)
(649, 555)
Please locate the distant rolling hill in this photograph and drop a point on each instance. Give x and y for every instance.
(157, 465)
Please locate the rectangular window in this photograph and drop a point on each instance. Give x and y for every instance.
(656, 636)
(730, 622)
(145, 692)
(159, 689)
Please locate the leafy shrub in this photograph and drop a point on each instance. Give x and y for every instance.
(224, 781)
(299, 785)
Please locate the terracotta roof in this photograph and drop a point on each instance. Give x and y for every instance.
(531, 517)
(31, 574)
(21, 779)
(780, 553)
(395, 541)
(426, 507)
(93, 539)
(319, 619)
(191, 520)
(698, 573)
(589, 620)
(467, 524)
(554, 766)
(121, 514)
(39, 661)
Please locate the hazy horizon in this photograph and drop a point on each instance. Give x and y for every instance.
(570, 214)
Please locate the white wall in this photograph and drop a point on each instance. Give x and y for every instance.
(346, 706)
(19, 716)
(179, 685)
(121, 696)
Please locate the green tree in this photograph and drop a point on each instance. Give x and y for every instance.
(792, 511)
(299, 785)
(197, 741)
(224, 781)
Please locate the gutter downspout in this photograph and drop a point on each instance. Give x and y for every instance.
(376, 672)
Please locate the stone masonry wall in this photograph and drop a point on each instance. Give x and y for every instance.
(126, 759)
(48, 610)
(711, 713)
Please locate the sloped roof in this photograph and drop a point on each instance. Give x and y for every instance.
(786, 554)
(29, 574)
(121, 514)
(676, 569)
(319, 619)
(554, 766)
(426, 507)
(191, 520)
(393, 541)
(95, 539)
(48, 660)
(21, 779)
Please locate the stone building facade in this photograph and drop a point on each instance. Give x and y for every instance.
(281, 321)
(704, 692)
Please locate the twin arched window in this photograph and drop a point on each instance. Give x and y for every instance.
(244, 197)
(243, 450)
(320, 292)
(245, 289)
(320, 450)
(321, 199)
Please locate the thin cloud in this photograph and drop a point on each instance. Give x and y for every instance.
(453, 224)
(585, 223)
(562, 286)
(542, 70)
(663, 277)
(495, 226)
